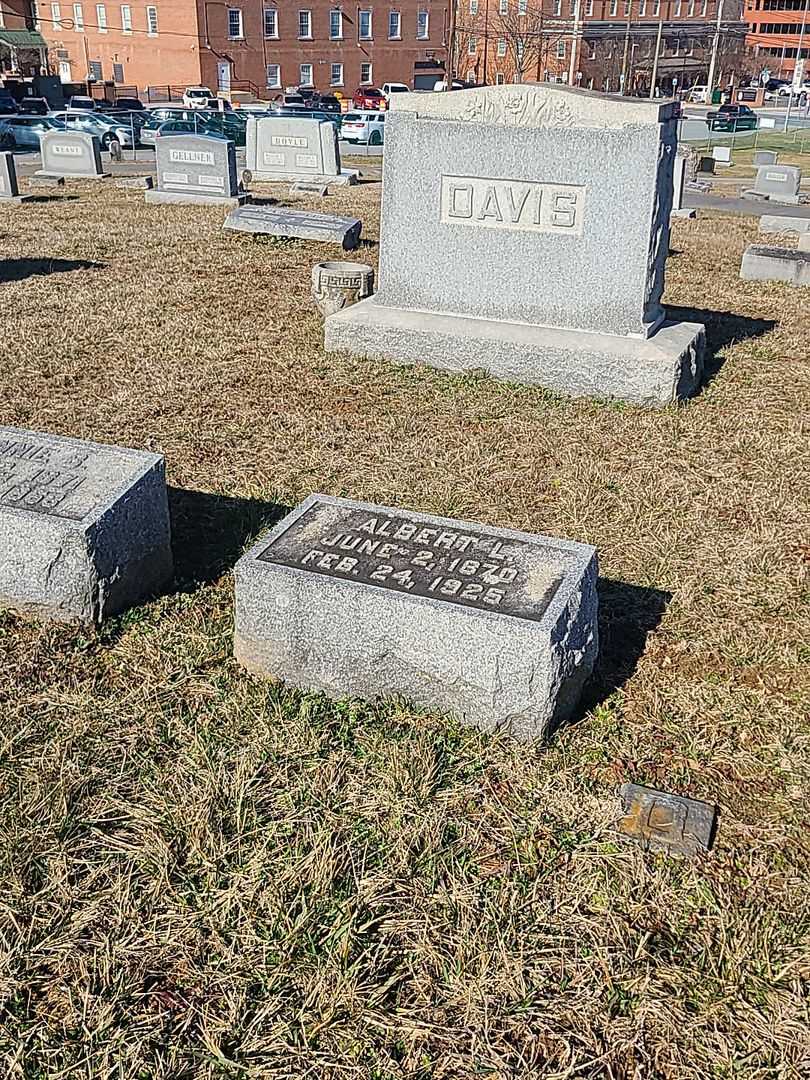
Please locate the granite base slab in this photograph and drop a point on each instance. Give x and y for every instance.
(761, 262)
(778, 223)
(69, 176)
(157, 196)
(15, 200)
(654, 371)
(341, 179)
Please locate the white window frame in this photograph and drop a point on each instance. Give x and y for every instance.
(499, 79)
(677, 9)
(335, 19)
(704, 8)
(336, 80)
(369, 68)
(503, 7)
(690, 11)
(126, 20)
(628, 8)
(561, 49)
(152, 21)
(272, 85)
(473, 7)
(557, 9)
(398, 16)
(614, 7)
(589, 8)
(302, 14)
(101, 18)
(78, 18)
(422, 25)
(56, 16)
(240, 24)
(642, 8)
(274, 13)
(302, 81)
(656, 8)
(500, 49)
(365, 17)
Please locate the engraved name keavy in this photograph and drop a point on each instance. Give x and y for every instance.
(517, 205)
(411, 556)
(42, 478)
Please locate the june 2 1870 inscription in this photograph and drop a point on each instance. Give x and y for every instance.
(402, 552)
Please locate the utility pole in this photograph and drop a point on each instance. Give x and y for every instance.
(799, 64)
(485, 80)
(572, 67)
(623, 79)
(451, 43)
(655, 61)
(715, 47)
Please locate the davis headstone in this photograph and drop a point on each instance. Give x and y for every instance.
(294, 148)
(9, 191)
(298, 224)
(525, 229)
(84, 527)
(778, 183)
(496, 626)
(765, 157)
(70, 154)
(199, 169)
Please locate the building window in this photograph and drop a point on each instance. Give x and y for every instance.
(270, 23)
(560, 50)
(704, 8)
(589, 8)
(101, 18)
(2, 18)
(557, 9)
(614, 4)
(151, 21)
(364, 25)
(501, 50)
(235, 24)
(305, 24)
(472, 46)
(56, 17)
(118, 73)
(691, 9)
(656, 8)
(394, 25)
(78, 18)
(499, 80)
(572, 8)
(677, 11)
(627, 6)
(503, 7)
(336, 24)
(591, 50)
(642, 8)
(336, 75)
(305, 73)
(273, 75)
(96, 74)
(126, 19)
(422, 25)
(473, 7)
(365, 73)
(522, 6)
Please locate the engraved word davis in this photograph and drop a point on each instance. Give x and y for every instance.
(522, 205)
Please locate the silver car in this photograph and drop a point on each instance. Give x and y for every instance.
(26, 130)
(107, 128)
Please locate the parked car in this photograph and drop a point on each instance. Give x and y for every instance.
(698, 94)
(364, 127)
(389, 88)
(26, 130)
(81, 104)
(35, 106)
(229, 124)
(457, 85)
(368, 97)
(6, 136)
(107, 128)
(8, 104)
(328, 103)
(156, 118)
(128, 104)
(313, 114)
(187, 127)
(732, 118)
(220, 104)
(196, 97)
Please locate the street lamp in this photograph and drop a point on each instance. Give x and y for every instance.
(799, 64)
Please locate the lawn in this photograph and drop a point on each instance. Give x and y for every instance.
(204, 875)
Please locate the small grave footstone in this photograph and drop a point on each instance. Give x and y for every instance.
(310, 187)
(776, 183)
(678, 183)
(658, 820)
(47, 181)
(569, 194)
(781, 223)
(198, 169)
(765, 157)
(298, 224)
(761, 262)
(722, 156)
(135, 183)
(9, 191)
(294, 148)
(84, 527)
(72, 155)
(496, 626)
(804, 242)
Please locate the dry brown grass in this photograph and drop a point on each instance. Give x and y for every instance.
(204, 876)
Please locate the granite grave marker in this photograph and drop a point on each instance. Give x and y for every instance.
(294, 148)
(199, 169)
(298, 224)
(70, 154)
(778, 183)
(9, 191)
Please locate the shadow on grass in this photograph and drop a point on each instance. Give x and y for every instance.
(722, 328)
(20, 269)
(628, 614)
(210, 532)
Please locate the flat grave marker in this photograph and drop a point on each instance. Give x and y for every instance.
(297, 224)
(196, 169)
(84, 527)
(350, 598)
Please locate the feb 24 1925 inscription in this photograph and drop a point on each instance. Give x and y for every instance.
(403, 553)
(522, 205)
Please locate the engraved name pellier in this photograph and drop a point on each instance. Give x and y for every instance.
(517, 205)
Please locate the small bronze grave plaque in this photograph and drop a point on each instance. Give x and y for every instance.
(656, 819)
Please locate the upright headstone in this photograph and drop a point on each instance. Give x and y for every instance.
(525, 229)
(678, 182)
(71, 154)
(778, 183)
(722, 156)
(84, 527)
(195, 169)
(9, 192)
(497, 626)
(765, 157)
(294, 148)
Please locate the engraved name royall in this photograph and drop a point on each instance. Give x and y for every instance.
(530, 206)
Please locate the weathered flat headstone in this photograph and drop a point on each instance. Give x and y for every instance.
(294, 148)
(47, 181)
(70, 154)
(525, 229)
(678, 183)
(777, 183)
(722, 156)
(781, 223)
(199, 169)
(135, 183)
(310, 187)
(803, 242)
(497, 626)
(84, 527)
(9, 191)
(299, 224)
(659, 820)
(761, 262)
(765, 157)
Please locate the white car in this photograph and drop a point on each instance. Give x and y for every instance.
(363, 127)
(197, 97)
(389, 88)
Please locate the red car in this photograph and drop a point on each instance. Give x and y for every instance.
(368, 97)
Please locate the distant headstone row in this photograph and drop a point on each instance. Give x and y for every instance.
(350, 598)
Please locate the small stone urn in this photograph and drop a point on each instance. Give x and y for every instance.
(337, 285)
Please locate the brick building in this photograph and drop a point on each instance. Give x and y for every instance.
(775, 29)
(605, 45)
